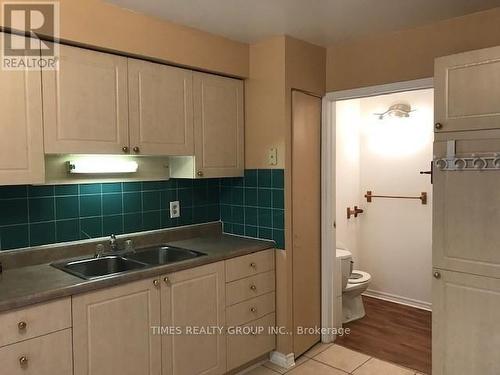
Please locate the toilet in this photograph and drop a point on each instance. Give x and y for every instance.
(354, 283)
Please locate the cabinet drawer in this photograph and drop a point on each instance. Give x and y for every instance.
(252, 309)
(249, 265)
(250, 287)
(242, 348)
(46, 355)
(33, 321)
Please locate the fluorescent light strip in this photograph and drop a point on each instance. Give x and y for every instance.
(102, 165)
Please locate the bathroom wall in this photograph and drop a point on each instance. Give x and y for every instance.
(392, 239)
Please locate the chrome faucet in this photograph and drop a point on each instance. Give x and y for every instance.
(113, 245)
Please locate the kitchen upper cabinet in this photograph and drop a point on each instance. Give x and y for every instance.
(86, 103)
(21, 127)
(194, 298)
(465, 324)
(112, 330)
(467, 88)
(218, 130)
(466, 211)
(161, 109)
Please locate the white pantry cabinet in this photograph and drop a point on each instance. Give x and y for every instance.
(85, 103)
(21, 127)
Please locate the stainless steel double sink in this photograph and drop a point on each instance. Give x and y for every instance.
(113, 264)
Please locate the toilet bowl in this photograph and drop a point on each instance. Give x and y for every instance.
(354, 283)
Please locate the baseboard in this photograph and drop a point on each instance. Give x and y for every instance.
(283, 360)
(398, 299)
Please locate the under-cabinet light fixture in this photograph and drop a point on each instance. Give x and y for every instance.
(102, 165)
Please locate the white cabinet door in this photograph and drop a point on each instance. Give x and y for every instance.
(465, 324)
(161, 109)
(21, 131)
(112, 330)
(86, 103)
(467, 88)
(218, 126)
(194, 298)
(466, 212)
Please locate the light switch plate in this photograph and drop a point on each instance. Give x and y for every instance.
(175, 209)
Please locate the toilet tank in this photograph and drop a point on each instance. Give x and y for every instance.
(345, 258)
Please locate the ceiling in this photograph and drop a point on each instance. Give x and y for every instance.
(321, 22)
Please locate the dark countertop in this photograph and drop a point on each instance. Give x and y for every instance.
(38, 283)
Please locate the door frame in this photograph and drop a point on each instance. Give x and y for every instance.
(329, 318)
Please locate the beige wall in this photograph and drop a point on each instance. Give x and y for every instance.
(98, 24)
(409, 54)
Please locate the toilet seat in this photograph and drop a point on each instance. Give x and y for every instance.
(361, 277)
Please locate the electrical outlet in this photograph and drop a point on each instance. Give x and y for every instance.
(175, 209)
(273, 156)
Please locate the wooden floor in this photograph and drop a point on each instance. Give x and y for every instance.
(392, 332)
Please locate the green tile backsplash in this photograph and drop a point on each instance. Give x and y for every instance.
(38, 215)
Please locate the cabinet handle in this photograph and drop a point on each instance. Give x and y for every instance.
(136, 149)
(156, 283)
(253, 287)
(199, 173)
(23, 361)
(438, 126)
(253, 265)
(253, 309)
(22, 326)
(437, 274)
(125, 149)
(167, 281)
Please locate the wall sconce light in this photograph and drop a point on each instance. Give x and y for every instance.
(101, 165)
(396, 110)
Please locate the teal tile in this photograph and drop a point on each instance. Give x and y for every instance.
(112, 204)
(213, 194)
(264, 197)
(265, 233)
(227, 228)
(67, 230)
(250, 197)
(251, 216)
(185, 197)
(151, 220)
(184, 183)
(186, 217)
(90, 205)
(112, 225)
(213, 183)
(238, 215)
(132, 222)
(90, 189)
(264, 178)
(171, 184)
(168, 196)
(66, 190)
(278, 219)
(200, 183)
(199, 214)
(132, 186)
(13, 211)
(153, 185)
(132, 202)
(20, 191)
(226, 182)
(226, 213)
(251, 231)
(238, 196)
(41, 209)
(200, 196)
(41, 191)
(278, 178)
(278, 199)
(226, 195)
(166, 222)
(279, 238)
(67, 207)
(239, 229)
(265, 217)
(250, 178)
(14, 237)
(151, 200)
(42, 233)
(213, 212)
(91, 227)
(238, 182)
(112, 188)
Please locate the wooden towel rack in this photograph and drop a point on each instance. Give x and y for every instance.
(369, 196)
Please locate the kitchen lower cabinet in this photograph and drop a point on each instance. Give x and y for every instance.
(194, 299)
(465, 324)
(112, 330)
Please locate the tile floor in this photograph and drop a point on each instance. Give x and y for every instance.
(328, 359)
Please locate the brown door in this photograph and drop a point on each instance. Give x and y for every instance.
(306, 218)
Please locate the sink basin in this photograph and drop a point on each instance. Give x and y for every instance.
(163, 255)
(98, 267)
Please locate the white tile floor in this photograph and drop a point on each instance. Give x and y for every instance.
(325, 359)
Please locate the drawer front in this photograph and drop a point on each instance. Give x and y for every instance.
(249, 265)
(33, 321)
(242, 348)
(250, 287)
(252, 309)
(46, 355)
